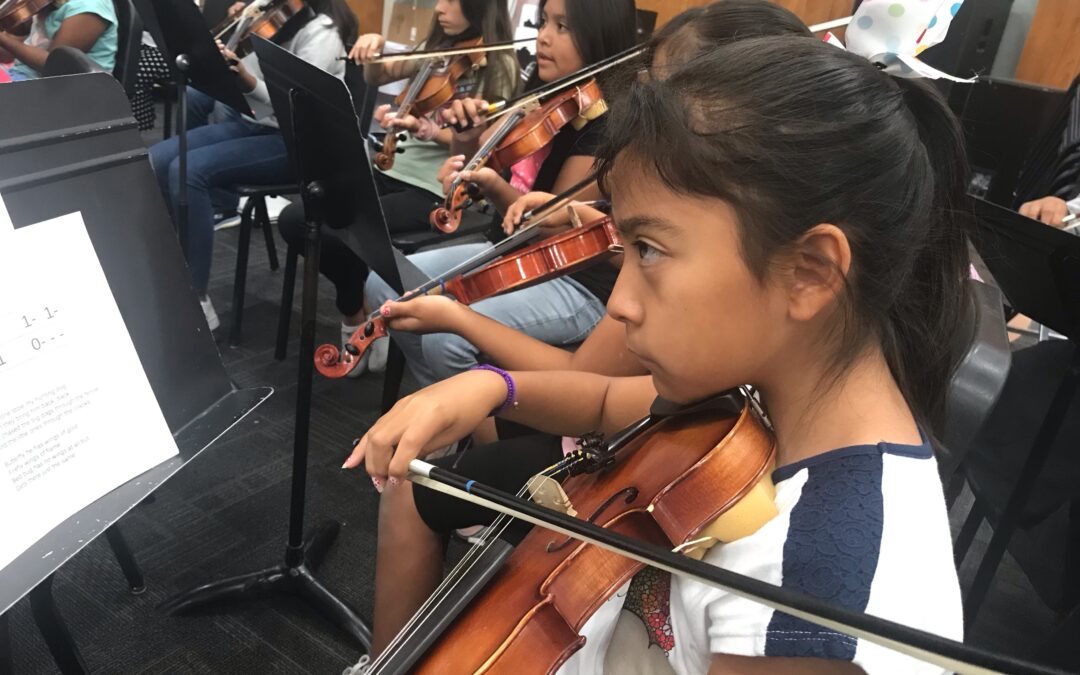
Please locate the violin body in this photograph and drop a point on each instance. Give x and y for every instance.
(532, 134)
(433, 90)
(666, 487)
(562, 254)
(15, 14)
(267, 26)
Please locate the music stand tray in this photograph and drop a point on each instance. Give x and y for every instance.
(82, 151)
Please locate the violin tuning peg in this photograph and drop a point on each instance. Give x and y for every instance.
(352, 349)
(399, 151)
(402, 138)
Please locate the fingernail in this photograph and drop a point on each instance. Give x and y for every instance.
(394, 481)
(377, 482)
(345, 465)
(385, 311)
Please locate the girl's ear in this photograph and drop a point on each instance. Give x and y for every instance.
(818, 265)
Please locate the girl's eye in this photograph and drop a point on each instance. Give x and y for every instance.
(563, 27)
(645, 252)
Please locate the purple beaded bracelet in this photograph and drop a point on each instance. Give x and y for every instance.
(511, 389)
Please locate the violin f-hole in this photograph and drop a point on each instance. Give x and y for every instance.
(628, 494)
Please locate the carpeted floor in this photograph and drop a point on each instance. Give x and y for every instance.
(226, 513)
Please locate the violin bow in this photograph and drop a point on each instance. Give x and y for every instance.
(435, 53)
(948, 654)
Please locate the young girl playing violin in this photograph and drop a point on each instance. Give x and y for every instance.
(234, 149)
(792, 218)
(86, 25)
(573, 34)
(414, 522)
(409, 189)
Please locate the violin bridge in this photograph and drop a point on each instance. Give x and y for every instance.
(548, 493)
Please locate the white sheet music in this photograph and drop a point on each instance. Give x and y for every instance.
(77, 415)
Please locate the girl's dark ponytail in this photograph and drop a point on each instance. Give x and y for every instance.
(921, 325)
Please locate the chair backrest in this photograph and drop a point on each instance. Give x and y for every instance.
(981, 350)
(68, 61)
(129, 30)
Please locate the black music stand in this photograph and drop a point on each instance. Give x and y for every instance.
(82, 151)
(352, 203)
(317, 118)
(184, 38)
(1037, 267)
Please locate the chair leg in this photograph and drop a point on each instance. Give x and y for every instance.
(288, 288)
(123, 555)
(240, 279)
(954, 487)
(57, 636)
(1025, 484)
(967, 532)
(268, 233)
(395, 370)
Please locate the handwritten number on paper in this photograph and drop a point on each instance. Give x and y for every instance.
(35, 343)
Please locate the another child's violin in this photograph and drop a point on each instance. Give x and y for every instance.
(266, 21)
(15, 14)
(519, 136)
(430, 89)
(562, 254)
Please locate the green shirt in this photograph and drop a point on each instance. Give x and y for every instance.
(104, 50)
(420, 162)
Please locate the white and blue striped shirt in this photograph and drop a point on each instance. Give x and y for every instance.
(863, 527)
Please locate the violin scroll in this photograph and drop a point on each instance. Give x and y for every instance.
(335, 363)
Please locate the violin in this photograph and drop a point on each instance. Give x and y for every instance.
(562, 254)
(430, 89)
(519, 136)
(15, 14)
(685, 480)
(265, 20)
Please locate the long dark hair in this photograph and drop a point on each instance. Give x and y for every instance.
(490, 20)
(792, 133)
(342, 15)
(698, 28)
(599, 28)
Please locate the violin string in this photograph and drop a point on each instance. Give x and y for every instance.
(565, 83)
(534, 219)
(465, 565)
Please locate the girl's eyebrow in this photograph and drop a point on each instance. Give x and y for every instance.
(636, 225)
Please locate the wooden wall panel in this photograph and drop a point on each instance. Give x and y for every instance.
(810, 11)
(370, 14)
(1051, 55)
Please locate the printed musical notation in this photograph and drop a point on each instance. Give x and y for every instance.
(25, 336)
(77, 414)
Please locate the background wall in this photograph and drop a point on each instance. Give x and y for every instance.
(1041, 42)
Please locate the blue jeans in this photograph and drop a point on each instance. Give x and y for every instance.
(558, 312)
(232, 151)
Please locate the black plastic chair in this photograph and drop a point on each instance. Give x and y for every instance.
(129, 29)
(253, 215)
(68, 61)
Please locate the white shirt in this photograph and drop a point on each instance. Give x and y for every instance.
(318, 43)
(863, 527)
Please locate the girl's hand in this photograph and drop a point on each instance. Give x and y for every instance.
(423, 315)
(449, 170)
(367, 48)
(526, 203)
(392, 123)
(429, 419)
(247, 80)
(466, 116)
(1050, 210)
(235, 9)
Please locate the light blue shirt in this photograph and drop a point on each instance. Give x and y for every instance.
(104, 50)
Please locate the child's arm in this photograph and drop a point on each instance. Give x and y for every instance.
(80, 31)
(564, 403)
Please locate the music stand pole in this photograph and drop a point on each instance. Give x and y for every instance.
(302, 556)
(183, 64)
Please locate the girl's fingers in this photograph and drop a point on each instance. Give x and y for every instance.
(356, 456)
(421, 433)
